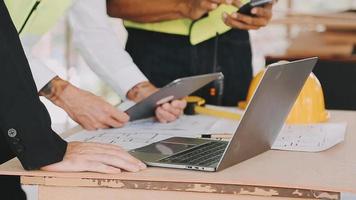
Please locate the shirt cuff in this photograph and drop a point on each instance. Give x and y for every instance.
(128, 78)
(40, 72)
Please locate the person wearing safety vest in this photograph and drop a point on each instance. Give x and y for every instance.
(168, 39)
(96, 41)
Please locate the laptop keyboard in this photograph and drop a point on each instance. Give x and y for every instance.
(203, 155)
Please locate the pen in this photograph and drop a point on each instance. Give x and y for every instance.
(222, 136)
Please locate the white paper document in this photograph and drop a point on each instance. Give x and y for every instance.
(307, 138)
(224, 126)
(185, 122)
(129, 139)
(146, 131)
(310, 138)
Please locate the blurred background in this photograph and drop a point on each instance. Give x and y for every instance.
(300, 28)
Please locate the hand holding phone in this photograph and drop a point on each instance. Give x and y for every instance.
(246, 8)
(245, 19)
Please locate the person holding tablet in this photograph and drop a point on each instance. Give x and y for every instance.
(98, 44)
(177, 38)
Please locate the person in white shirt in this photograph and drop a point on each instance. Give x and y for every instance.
(99, 45)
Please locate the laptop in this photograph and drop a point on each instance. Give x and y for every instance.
(257, 130)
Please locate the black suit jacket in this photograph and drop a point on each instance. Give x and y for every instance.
(25, 125)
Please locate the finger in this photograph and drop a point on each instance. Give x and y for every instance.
(169, 117)
(116, 150)
(171, 109)
(110, 149)
(99, 125)
(208, 5)
(98, 148)
(158, 114)
(265, 12)
(91, 121)
(166, 116)
(216, 1)
(180, 104)
(229, 21)
(112, 123)
(270, 5)
(86, 123)
(88, 127)
(229, 2)
(253, 21)
(115, 161)
(101, 168)
(237, 3)
(104, 119)
(119, 115)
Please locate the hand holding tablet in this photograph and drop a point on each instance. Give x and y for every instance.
(177, 89)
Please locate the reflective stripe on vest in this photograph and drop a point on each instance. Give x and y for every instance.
(36, 16)
(202, 29)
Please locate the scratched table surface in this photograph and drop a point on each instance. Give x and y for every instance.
(275, 173)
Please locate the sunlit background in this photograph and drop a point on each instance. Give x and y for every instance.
(57, 52)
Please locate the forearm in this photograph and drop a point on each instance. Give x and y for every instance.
(146, 11)
(53, 89)
(61, 93)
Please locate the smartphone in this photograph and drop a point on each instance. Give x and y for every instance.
(246, 8)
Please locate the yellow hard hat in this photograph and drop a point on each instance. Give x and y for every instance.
(308, 108)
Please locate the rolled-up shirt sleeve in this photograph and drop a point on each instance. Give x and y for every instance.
(41, 73)
(100, 46)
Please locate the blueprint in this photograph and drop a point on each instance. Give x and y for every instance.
(307, 138)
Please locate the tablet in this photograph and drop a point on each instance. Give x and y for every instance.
(177, 89)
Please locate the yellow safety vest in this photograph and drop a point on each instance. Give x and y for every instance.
(36, 16)
(202, 29)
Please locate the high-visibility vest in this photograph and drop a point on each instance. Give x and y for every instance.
(36, 16)
(198, 31)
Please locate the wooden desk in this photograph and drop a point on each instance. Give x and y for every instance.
(274, 174)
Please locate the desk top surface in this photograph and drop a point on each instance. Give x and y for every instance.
(332, 170)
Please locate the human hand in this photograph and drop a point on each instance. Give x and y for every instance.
(262, 15)
(141, 91)
(166, 112)
(169, 112)
(195, 9)
(87, 109)
(96, 157)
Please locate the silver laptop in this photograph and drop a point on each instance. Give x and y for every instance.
(258, 128)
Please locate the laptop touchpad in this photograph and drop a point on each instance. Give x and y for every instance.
(164, 148)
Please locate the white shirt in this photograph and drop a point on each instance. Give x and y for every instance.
(98, 44)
